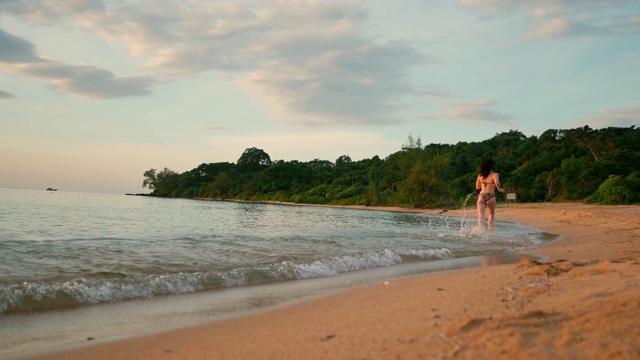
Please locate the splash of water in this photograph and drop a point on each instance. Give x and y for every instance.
(464, 208)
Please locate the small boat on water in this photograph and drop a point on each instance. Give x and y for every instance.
(51, 189)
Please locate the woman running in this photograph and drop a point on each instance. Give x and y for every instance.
(487, 182)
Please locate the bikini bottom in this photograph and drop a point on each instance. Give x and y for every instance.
(487, 196)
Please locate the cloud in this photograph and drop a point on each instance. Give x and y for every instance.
(308, 60)
(477, 111)
(564, 18)
(84, 81)
(19, 57)
(16, 50)
(549, 28)
(344, 86)
(622, 117)
(6, 96)
(51, 11)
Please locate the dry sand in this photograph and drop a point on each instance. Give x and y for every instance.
(584, 303)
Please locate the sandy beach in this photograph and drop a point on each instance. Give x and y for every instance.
(581, 303)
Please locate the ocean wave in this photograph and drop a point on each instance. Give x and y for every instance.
(39, 296)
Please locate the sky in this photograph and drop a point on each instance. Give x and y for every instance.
(95, 92)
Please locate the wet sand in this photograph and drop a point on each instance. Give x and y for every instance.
(582, 303)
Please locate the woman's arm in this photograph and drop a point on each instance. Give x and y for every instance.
(478, 183)
(496, 179)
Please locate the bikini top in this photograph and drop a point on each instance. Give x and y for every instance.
(484, 182)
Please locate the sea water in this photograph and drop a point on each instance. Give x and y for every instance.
(63, 250)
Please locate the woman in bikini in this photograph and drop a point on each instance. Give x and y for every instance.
(487, 182)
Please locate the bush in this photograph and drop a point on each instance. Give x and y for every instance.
(346, 193)
(318, 191)
(281, 196)
(617, 191)
(242, 196)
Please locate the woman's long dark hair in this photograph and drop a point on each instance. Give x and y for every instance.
(486, 167)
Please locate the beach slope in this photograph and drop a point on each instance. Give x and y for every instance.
(581, 303)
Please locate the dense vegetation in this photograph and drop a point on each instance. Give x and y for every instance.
(581, 164)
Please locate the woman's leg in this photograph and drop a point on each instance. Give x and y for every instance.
(481, 207)
(491, 204)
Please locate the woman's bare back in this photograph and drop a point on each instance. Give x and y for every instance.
(488, 184)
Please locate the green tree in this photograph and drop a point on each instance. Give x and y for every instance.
(617, 190)
(425, 183)
(287, 176)
(412, 143)
(569, 164)
(253, 160)
(150, 179)
(163, 183)
(372, 195)
(222, 186)
(343, 165)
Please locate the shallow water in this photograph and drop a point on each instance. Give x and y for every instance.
(60, 249)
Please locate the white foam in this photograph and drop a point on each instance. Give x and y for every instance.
(83, 291)
(431, 253)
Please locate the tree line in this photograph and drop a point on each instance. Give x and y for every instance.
(581, 164)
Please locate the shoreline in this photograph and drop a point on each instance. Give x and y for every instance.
(583, 303)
